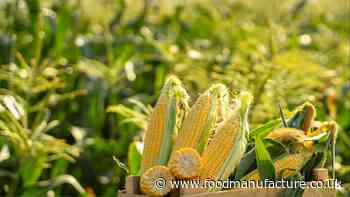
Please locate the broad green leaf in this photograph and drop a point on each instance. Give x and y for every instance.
(31, 170)
(263, 130)
(134, 158)
(59, 167)
(33, 191)
(264, 161)
(248, 162)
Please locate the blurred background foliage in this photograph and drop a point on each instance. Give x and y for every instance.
(64, 63)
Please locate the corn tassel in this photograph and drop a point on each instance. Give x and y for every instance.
(185, 163)
(162, 125)
(228, 144)
(149, 179)
(284, 167)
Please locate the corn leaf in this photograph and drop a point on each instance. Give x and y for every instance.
(134, 159)
(264, 161)
(31, 170)
(248, 162)
(263, 130)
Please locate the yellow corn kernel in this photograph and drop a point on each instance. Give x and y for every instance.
(185, 163)
(156, 181)
(284, 167)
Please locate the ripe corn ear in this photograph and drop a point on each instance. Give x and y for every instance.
(228, 144)
(294, 139)
(199, 121)
(162, 125)
(185, 163)
(196, 129)
(149, 179)
(287, 135)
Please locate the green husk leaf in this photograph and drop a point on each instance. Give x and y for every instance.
(167, 140)
(264, 161)
(31, 170)
(248, 162)
(264, 129)
(134, 159)
(210, 122)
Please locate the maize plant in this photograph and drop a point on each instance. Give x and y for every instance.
(33, 147)
(27, 124)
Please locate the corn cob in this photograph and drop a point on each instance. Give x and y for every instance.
(156, 181)
(162, 125)
(284, 167)
(195, 131)
(294, 139)
(197, 128)
(195, 123)
(200, 120)
(228, 145)
(287, 135)
(185, 163)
